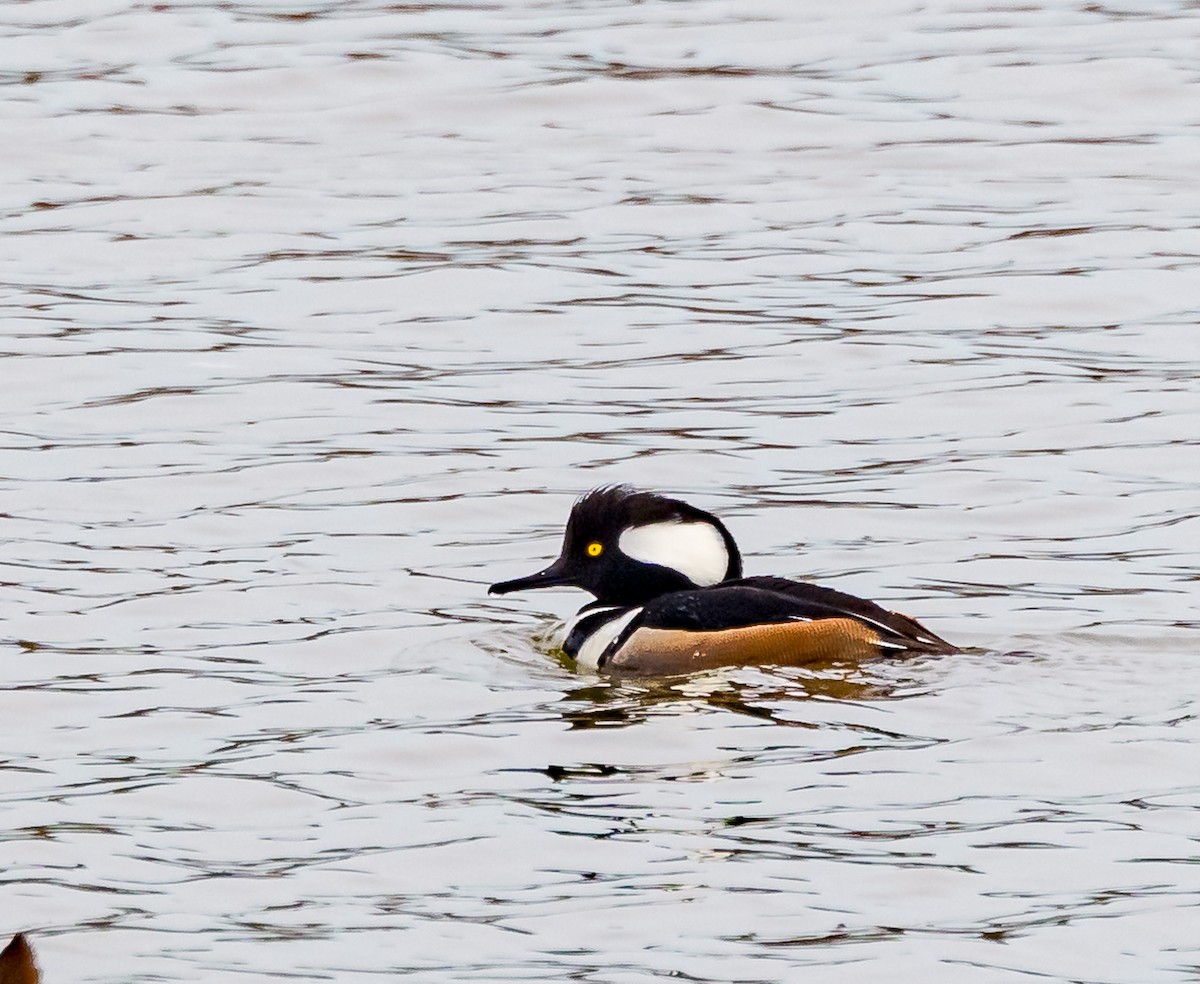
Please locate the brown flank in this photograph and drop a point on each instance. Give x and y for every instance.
(782, 643)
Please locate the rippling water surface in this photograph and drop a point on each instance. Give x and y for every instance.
(319, 316)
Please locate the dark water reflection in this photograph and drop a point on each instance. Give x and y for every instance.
(617, 702)
(317, 318)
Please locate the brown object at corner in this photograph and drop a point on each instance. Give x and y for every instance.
(17, 965)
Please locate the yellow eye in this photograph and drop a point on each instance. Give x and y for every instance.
(595, 549)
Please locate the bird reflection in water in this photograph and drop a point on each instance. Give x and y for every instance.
(769, 694)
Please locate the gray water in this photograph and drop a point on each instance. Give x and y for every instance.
(317, 318)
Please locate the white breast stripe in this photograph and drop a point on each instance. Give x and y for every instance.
(696, 550)
(594, 645)
(580, 615)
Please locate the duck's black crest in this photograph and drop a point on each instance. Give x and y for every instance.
(619, 507)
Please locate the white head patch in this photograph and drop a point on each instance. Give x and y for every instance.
(696, 550)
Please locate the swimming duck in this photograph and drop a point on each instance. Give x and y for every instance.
(670, 596)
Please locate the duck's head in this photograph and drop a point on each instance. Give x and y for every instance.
(627, 547)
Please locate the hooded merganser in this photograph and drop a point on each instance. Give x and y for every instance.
(670, 596)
